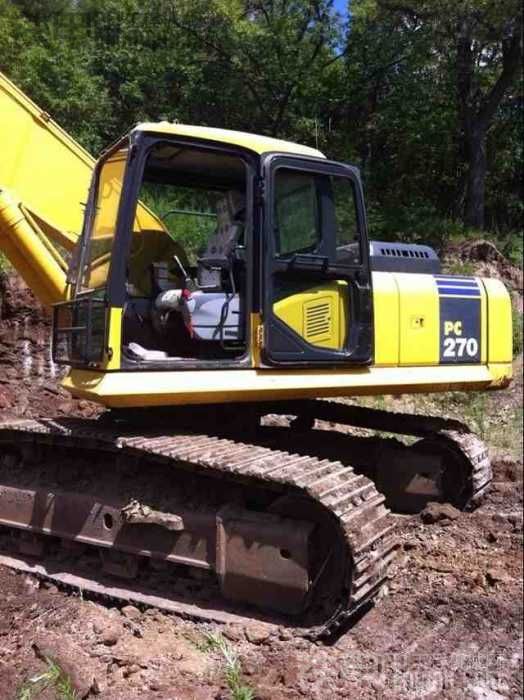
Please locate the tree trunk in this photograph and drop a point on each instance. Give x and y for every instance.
(476, 178)
(477, 110)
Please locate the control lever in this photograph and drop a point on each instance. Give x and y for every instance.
(182, 269)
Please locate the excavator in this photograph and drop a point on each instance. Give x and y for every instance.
(216, 292)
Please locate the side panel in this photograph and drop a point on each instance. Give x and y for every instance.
(386, 311)
(419, 319)
(500, 330)
(318, 315)
(462, 335)
(423, 320)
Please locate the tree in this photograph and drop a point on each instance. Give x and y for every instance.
(45, 50)
(15, 31)
(422, 94)
(395, 115)
(480, 41)
(277, 53)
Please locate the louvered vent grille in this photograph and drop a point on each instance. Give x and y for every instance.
(317, 320)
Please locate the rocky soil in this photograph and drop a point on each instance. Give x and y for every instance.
(450, 625)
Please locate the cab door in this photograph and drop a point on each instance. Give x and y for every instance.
(317, 297)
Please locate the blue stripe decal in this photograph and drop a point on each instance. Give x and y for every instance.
(444, 287)
(449, 286)
(463, 283)
(457, 278)
(467, 295)
(461, 293)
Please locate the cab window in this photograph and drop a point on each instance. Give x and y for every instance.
(296, 212)
(102, 233)
(316, 214)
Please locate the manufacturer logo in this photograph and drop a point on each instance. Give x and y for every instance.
(459, 299)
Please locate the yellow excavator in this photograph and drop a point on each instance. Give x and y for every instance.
(216, 291)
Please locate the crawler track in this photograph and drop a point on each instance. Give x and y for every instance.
(461, 448)
(88, 483)
(346, 507)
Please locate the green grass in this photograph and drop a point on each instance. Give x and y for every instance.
(4, 264)
(517, 332)
(513, 247)
(497, 422)
(232, 668)
(456, 267)
(53, 678)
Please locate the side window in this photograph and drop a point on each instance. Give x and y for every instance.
(296, 212)
(313, 210)
(347, 235)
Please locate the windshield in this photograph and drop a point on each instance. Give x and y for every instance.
(198, 196)
(102, 231)
(188, 213)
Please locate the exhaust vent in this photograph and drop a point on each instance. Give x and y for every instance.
(318, 320)
(403, 257)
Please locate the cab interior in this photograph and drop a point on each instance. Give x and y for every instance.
(186, 280)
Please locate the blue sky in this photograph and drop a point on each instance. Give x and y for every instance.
(341, 6)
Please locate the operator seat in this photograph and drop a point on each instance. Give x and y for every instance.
(217, 258)
(212, 312)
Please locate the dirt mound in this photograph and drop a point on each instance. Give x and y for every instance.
(486, 260)
(17, 302)
(29, 378)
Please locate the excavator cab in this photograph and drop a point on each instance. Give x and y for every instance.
(187, 275)
(181, 286)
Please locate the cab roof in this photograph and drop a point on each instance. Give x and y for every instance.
(253, 142)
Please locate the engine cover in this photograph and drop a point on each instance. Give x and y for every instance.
(403, 257)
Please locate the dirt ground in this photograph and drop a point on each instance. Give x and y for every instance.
(450, 625)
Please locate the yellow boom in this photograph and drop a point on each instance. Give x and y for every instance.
(44, 181)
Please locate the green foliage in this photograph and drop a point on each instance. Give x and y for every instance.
(511, 245)
(415, 106)
(379, 89)
(192, 229)
(232, 668)
(517, 332)
(53, 678)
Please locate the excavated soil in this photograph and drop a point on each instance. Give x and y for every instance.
(450, 625)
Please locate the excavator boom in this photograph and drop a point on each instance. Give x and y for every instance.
(44, 183)
(44, 178)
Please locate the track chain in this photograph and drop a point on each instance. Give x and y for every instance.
(447, 433)
(363, 520)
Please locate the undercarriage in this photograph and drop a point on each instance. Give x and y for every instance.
(224, 524)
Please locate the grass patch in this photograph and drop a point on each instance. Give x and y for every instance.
(4, 264)
(491, 420)
(458, 267)
(493, 417)
(513, 247)
(232, 668)
(53, 678)
(517, 331)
